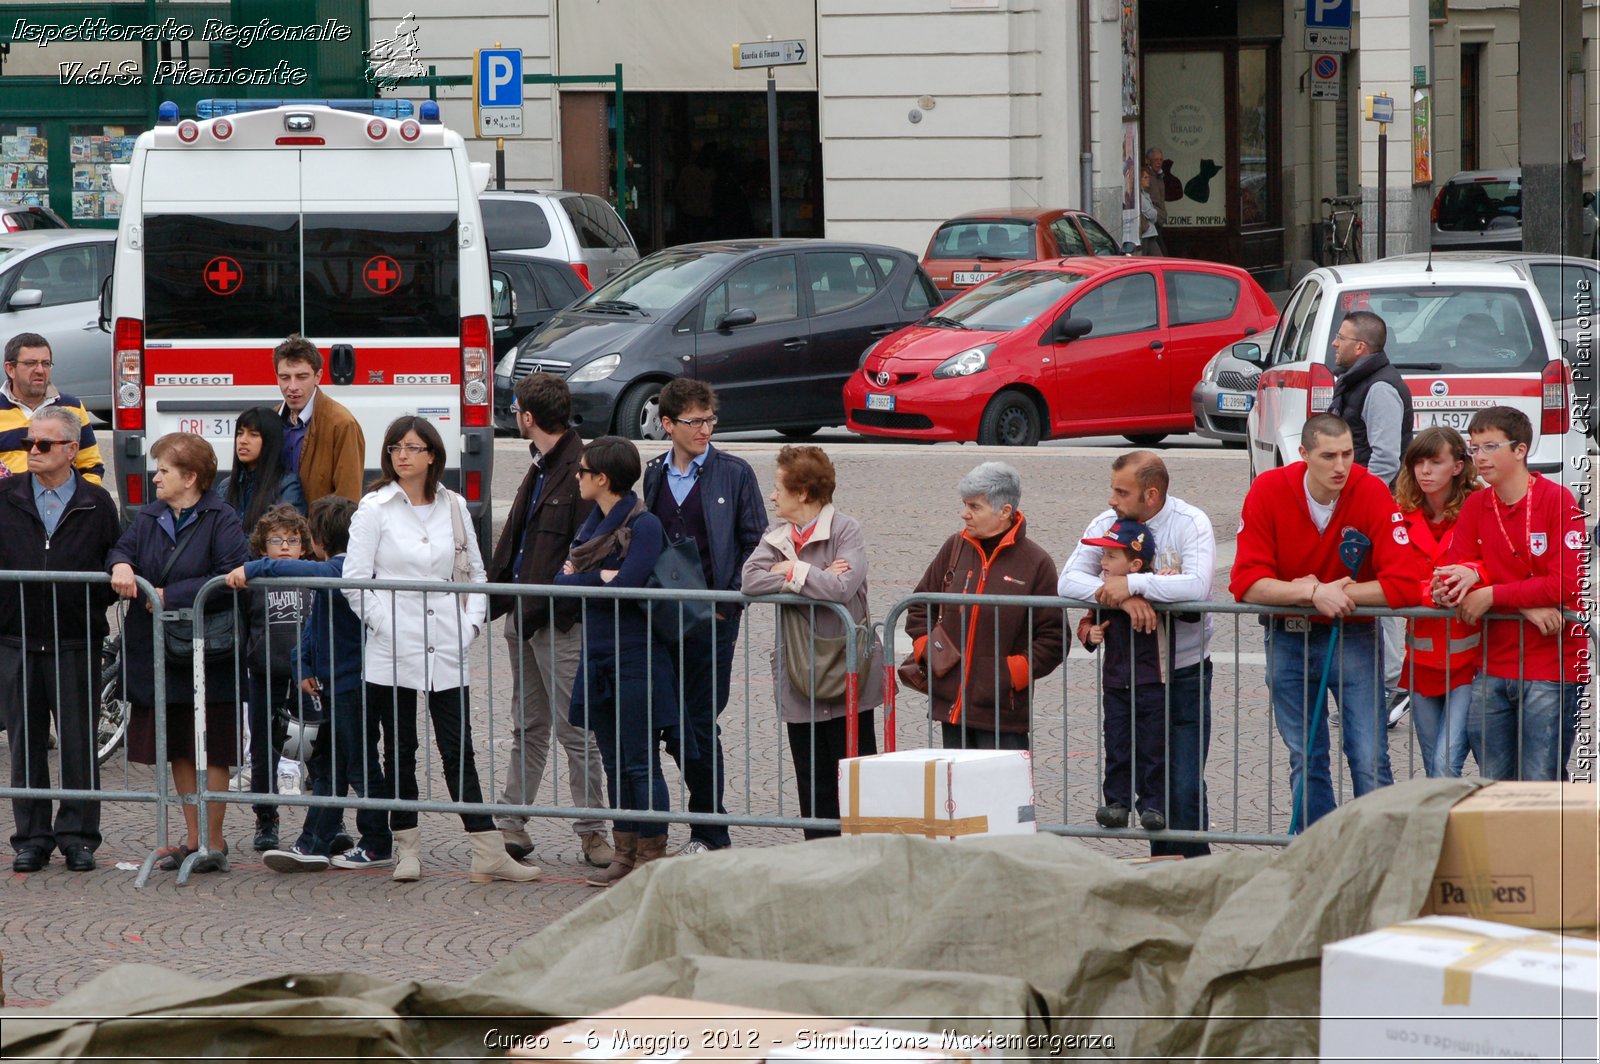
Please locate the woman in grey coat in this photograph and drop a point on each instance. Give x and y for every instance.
(816, 551)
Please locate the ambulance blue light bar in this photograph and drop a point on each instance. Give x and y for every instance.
(377, 108)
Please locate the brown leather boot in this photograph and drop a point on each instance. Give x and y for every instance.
(627, 845)
(651, 849)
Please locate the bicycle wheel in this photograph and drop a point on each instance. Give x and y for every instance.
(111, 715)
(1353, 241)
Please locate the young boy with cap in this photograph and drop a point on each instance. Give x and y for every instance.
(1133, 672)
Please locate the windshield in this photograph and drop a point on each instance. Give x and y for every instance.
(1454, 329)
(985, 240)
(1471, 206)
(1011, 300)
(659, 283)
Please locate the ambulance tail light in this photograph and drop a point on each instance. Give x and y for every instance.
(475, 355)
(1319, 391)
(1556, 413)
(127, 364)
(582, 270)
(472, 487)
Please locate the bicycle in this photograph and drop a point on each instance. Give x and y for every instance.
(1341, 230)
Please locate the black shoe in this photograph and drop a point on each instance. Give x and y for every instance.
(211, 862)
(342, 843)
(518, 851)
(1114, 815)
(79, 859)
(1153, 820)
(30, 859)
(266, 832)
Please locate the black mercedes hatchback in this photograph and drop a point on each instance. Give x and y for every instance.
(775, 326)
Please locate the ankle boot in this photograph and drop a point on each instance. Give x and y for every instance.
(626, 844)
(407, 855)
(651, 849)
(491, 862)
(266, 832)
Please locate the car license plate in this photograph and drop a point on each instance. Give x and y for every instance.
(971, 276)
(212, 428)
(1235, 404)
(1452, 419)
(880, 402)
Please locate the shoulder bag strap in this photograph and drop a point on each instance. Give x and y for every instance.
(177, 548)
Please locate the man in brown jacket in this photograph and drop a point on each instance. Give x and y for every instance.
(984, 661)
(322, 441)
(545, 635)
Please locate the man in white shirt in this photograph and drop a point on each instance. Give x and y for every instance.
(1186, 560)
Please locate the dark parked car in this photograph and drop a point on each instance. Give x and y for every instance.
(528, 290)
(775, 326)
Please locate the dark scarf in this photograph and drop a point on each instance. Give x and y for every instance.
(589, 554)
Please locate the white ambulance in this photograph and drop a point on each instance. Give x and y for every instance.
(1464, 335)
(350, 223)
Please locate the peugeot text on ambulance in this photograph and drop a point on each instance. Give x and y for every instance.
(1464, 335)
(351, 223)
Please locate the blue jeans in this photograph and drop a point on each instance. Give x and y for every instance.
(345, 758)
(1441, 724)
(1188, 744)
(1355, 680)
(1516, 727)
(707, 672)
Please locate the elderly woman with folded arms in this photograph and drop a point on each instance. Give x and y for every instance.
(815, 551)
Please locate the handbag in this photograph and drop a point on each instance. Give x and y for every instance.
(217, 630)
(461, 570)
(816, 665)
(943, 654)
(678, 569)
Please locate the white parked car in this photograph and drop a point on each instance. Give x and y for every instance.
(1465, 335)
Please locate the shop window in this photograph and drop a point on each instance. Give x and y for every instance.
(24, 165)
(92, 150)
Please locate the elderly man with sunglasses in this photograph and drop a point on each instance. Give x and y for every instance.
(26, 391)
(52, 518)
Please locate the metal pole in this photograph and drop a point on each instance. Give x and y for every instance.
(1383, 189)
(500, 164)
(772, 150)
(621, 150)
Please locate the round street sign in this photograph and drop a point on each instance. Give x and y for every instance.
(1327, 67)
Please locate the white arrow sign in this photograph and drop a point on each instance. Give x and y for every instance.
(768, 54)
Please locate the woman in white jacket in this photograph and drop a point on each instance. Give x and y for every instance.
(409, 527)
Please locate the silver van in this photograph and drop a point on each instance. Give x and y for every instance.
(576, 228)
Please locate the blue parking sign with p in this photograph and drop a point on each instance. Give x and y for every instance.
(1328, 14)
(500, 77)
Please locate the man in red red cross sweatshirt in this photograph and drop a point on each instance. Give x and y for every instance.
(1293, 522)
(1519, 547)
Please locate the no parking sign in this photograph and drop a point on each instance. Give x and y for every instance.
(1325, 77)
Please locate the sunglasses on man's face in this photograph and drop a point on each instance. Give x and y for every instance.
(43, 446)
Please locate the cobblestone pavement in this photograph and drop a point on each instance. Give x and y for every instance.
(58, 929)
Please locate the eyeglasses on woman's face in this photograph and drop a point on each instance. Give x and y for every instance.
(585, 471)
(408, 448)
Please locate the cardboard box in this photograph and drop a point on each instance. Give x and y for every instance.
(938, 794)
(1521, 853)
(1445, 986)
(663, 1029)
(880, 1043)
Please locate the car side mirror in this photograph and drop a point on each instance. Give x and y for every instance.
(736, 317)
(1247, 352)
(105, 304)
(1067, 329)
(501, 305)
(26, 297)
(1130, 248)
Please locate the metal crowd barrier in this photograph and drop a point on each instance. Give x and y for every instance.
(103, 676)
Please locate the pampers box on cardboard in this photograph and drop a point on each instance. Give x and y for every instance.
(1521, 853)
(938, 794)
(1443, 986)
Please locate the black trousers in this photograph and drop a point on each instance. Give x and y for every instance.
(817, 750)
(267, 732)
(1136, 747)
(452, 734)
(963, 737)
(35, 686)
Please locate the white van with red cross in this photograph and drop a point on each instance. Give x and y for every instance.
(350, 223)
(1464, 335)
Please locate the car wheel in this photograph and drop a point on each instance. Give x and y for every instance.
(1149, 439)
(801, 433)
(1009, 421)
(639, 413)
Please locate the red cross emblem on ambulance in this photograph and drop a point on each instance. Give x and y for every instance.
(381, 275)
(222, 275)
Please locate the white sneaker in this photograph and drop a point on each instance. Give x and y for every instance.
(241, 779)
(288, 776)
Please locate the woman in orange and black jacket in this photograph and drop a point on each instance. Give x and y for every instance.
(982, 661)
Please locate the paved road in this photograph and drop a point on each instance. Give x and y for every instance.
(59, 929)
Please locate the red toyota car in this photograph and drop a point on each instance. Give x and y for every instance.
(1068, 347)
